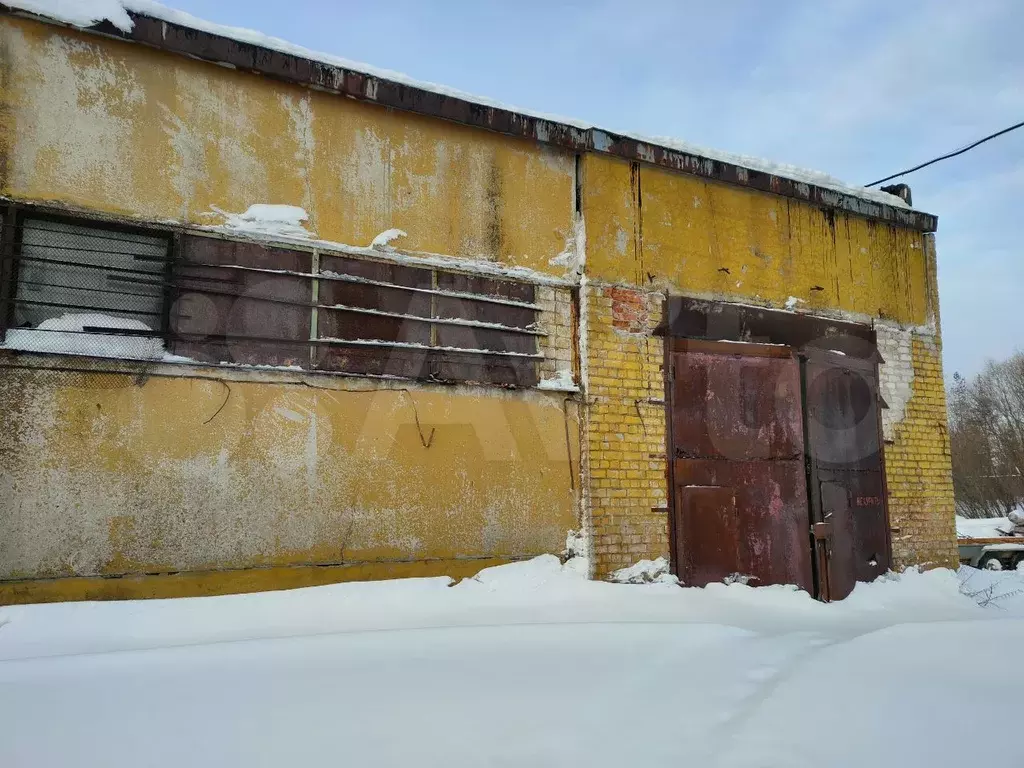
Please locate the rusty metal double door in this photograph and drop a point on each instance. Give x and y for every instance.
(775, 471)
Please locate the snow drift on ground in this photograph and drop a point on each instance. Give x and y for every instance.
(645, 571)
(526, 665)
(86, 12)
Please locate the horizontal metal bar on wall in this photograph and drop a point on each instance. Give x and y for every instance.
(90, 289)
(182, 284)
(329, 275)
(98, 330)
(435, 320)
(431, 261)
(338, 277)
(85, 307)
(103, 235)
(198, 44)
(226, 339)
(83, 231)
(425, 349)
(83, 265)
(104, 331)
(104, 251)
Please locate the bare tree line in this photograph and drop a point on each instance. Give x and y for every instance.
(986, 428)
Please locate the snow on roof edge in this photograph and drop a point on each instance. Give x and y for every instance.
(84, 13)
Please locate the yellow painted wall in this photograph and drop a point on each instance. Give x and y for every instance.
(159, 136)
(121, 128)
(229, 582)
(106, 475)
(658, 229)
(625, 432)
(653, 230)
(111, 474)
(918, 469)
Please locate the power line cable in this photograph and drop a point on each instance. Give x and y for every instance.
(954, 153)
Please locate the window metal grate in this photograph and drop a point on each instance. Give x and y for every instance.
(88, 288)
(73, 267)
(82, 288)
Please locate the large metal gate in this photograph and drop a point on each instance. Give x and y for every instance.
(738, 477)
(776, 466)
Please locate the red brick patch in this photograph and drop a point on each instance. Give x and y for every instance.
(629, 309)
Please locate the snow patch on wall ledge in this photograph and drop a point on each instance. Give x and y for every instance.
(67, 335)
(562, 382)
(267, 219)
(384, 239)
(274, 237)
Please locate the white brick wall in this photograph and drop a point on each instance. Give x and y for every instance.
(556, 321)
(896, 375)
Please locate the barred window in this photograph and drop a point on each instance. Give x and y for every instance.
(241, 302)
(424, 323)
(84, 288)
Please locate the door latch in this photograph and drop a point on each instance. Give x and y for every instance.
(821, 531)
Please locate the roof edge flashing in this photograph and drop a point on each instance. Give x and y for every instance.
(321, 75)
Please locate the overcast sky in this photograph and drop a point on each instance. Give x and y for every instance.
(856, 88)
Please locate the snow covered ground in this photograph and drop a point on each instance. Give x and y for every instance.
(527, 665)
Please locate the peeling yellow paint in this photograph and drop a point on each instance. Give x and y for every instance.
(918, 476)
(206, 583)
(161, 136)
(651, 227)
(139, 476)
